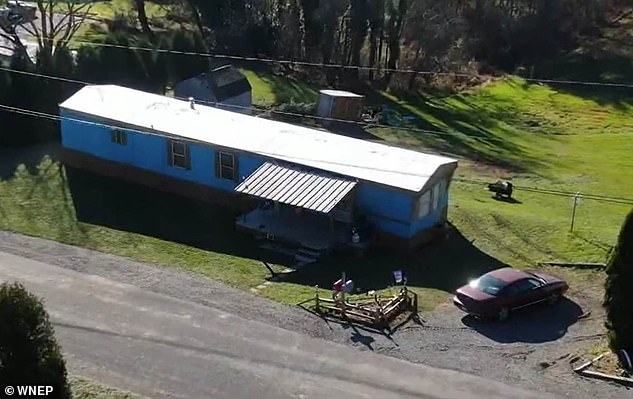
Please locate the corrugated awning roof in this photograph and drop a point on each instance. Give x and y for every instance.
(306, 189)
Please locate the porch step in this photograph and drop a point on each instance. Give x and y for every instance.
(309, 252)
(279, 249)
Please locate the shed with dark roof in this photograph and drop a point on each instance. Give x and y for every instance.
(224, 87)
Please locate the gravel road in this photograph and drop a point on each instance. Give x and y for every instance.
(530, 350)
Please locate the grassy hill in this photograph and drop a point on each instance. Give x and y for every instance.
(538, 136)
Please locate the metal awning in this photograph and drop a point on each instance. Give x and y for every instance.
(306, 189)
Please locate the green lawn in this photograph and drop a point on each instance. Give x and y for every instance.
(533, 134)
(83, 388)
(94, 27)
(40, 204)
(108, 9)
(271, 89)
(539, 137)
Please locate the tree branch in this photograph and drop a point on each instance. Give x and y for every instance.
(74, 25)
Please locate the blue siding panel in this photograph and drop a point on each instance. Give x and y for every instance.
(149, 152)
(388, 209)
(434, 218)
(248, 165)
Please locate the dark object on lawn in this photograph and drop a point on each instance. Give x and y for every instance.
(626, 359)
(497, 293)
(501, 188)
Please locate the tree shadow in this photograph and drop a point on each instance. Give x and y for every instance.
(124, 206)
(603, 58)
(466, 129)
(609, 68)
(288, 89)
(133, 208)
(536, 324)
(428, 267)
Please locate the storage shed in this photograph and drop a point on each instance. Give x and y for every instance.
(339, 105)
(289, 183)
(224, 87)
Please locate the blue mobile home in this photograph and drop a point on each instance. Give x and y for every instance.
(288, 182)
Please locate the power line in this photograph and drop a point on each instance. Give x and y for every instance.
(241, 107)
(560, 193)
(437, 133)
(166, 135)
(347, 67)
(594, 197)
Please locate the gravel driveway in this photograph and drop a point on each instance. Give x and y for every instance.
(530, 350)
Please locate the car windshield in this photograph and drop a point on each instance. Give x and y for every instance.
(488, 284)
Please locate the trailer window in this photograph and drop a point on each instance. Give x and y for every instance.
(424, 205)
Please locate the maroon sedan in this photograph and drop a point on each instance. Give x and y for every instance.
(500, 291)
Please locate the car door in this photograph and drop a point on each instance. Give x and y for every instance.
(525, 292)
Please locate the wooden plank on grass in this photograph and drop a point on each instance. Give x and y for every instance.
(589, 363)
(608, 377)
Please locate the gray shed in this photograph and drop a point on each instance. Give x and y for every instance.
(341, 105)
(224, 87)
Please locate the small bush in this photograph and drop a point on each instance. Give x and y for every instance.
(29, 353)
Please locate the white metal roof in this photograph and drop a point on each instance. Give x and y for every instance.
(379, 163)
(293, 186)
(340, 93)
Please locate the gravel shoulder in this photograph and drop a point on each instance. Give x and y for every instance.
(531, 350)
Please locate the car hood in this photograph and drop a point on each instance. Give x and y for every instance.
(472, 293)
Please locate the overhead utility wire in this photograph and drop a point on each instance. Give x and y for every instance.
(341, 66)
(539, 190)
(437, 133)
(37, 114)
(242, 107)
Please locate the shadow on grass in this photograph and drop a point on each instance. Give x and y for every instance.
(607, 68)
(133, 208)
(127, 207)
(507, 200)
(468, 129)
(444, 266)
(289, 89)
(536, 324)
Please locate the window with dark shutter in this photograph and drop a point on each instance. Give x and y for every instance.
(118, 137)
(179, 155)
(227, 165)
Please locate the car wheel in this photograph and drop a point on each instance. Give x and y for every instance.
(503, 314)
(554, 298)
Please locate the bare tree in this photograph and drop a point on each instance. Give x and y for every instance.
(55, 24)
(142, 18)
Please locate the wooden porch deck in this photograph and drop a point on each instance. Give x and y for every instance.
(309, 230)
